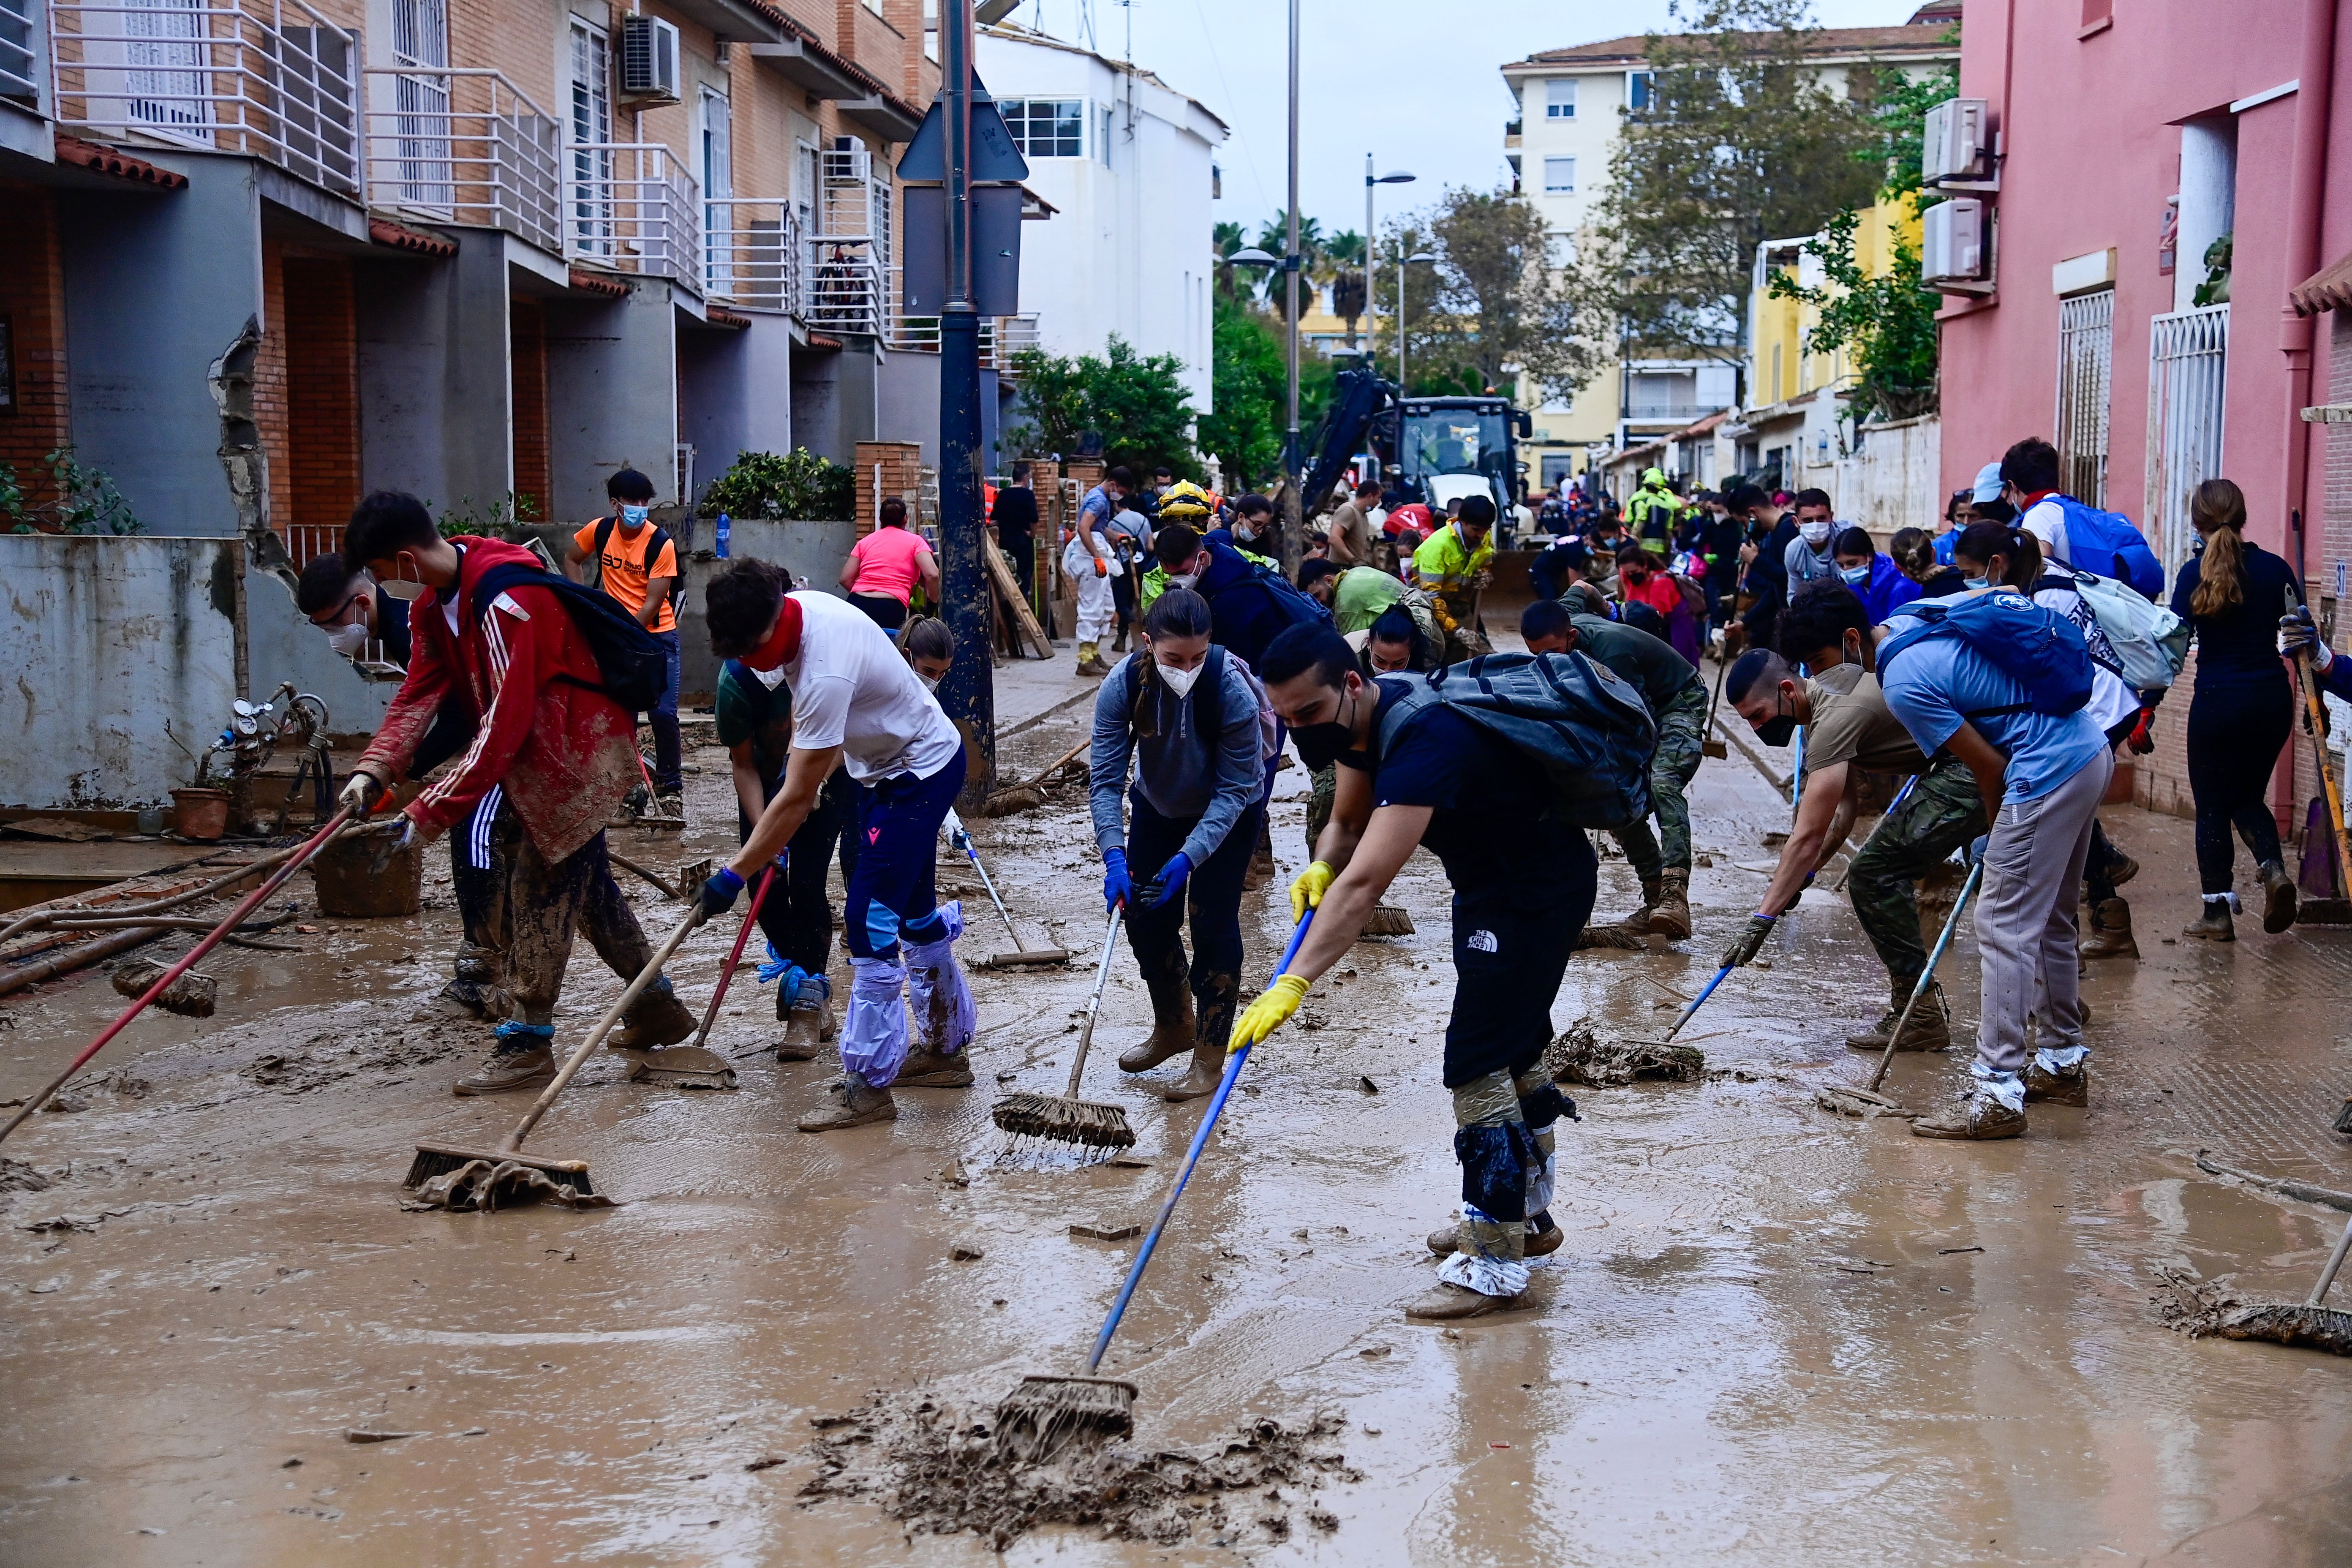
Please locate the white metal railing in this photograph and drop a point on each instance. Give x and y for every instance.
(751, 253)
(1015, 336)
(20, 61)
(631, 206)
(2187, 356)
(305, 542)
(465, 147)
(2086, 339)
(844, 285)
(1002, 338)
(269, 78)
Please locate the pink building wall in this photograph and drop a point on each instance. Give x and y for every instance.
(2091, 122)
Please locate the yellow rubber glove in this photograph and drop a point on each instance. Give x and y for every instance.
(1270, 1012)
(1306, 892)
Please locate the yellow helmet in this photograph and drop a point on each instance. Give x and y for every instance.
(1183, 501)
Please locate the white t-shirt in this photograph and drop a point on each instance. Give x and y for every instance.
(852, 689)
(2110, 702)
(2046, 521)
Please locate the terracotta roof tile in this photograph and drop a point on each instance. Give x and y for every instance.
(399, 237)
(121, 165)
(2329, 289)
(589, 282)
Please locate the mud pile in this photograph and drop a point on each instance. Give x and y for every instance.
(940, 1471)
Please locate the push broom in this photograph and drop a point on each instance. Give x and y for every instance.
(1065, 1118)
(1037, 1418)
(1848, 1100)
(163, 982)
(696, 1066)
(440, 1159)
(1020, 957)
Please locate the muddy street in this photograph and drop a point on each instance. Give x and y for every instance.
(1772, 1334)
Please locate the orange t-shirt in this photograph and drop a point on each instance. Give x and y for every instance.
(626, 570)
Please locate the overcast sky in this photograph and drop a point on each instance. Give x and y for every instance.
(1414, 83)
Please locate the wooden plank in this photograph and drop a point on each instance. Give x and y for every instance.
(1001, 575)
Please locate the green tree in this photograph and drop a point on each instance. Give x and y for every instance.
(1741, 143)
(1248, 385)
(1136, 402)
(1492, 310)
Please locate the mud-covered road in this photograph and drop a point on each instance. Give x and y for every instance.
(1772, 1335)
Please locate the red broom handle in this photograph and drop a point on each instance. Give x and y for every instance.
(727, 975)
(252, 901)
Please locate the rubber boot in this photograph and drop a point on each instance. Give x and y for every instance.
(1670, 915)
(2111, 931)
(657, 1019)
(2214, 925)
(2278, 898)
(1540, 1243)
(1119, 643)
(852, 1102)
(1173, 1028)
(1216, 996)
(806, 1019)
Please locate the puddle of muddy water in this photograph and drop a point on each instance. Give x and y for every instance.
(1764, 1340)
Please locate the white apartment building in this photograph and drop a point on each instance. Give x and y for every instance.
(1128, 163)
(1572, 102)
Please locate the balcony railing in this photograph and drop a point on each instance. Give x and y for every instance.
(464, 147)
(1002, 338)
(846, 287)
(631, 206)
(1653, 413)
(751, 253)
(20, 66)
(269, 78)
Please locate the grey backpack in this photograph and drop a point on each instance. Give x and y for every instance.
(1588, 727)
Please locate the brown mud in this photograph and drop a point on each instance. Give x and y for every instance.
(1770, 1334)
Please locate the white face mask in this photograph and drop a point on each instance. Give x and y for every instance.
(1814, 533)
(1182, 579)
(930, 682)
(402, 588)
(1179, 681)
(348, 640)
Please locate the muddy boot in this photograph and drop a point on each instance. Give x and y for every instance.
(927, 1069)
(524, 1058)
(1670, 915)
(1173, 1028)
(2278, 898)
(806, 1018)
(1538, 1243)
(1979, 1117)
(1452, 1303)
(1215, 1002)
(1654, 891)
(1261, 866)
(2058, 1086)
(657, 1019)
(1930, 1028)
(2111, 933)
(852, 1102)
(2213, 926)
(473, 989)
(1119, 643)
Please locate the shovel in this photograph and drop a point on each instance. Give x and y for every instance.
(1020, 957)
(1848, 1100)
(1713, 746)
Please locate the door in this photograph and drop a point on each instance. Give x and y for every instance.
(166, 81)
(591, 137)
(717, 171)
(420, 43)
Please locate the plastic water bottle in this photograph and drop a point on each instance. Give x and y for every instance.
(718, 538)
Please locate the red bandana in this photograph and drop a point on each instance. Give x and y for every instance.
(782, 644)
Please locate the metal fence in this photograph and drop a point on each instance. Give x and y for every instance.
(2187, 355)
(465, 147)
(752, 253)
(633, 208)
(2087, 340)
(269, 78)
(844, 288)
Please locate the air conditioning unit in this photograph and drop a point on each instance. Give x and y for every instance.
(1956, 148)
(1955, 249)
(649, 60)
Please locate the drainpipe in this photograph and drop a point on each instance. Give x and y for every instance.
(2306, 192)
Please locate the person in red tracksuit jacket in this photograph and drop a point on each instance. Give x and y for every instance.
(559, 751)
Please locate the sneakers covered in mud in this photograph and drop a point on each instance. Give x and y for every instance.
(1976, 1117)
(1930, 1029)
(852, 1102)
(2060, 1086)
(1447, 1241)
(1452, 1303)
(934, 1069)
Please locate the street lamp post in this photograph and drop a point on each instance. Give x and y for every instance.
(1291, 263)
(1418, 259)
(1372, 250)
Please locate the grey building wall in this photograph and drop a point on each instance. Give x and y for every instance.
(836, 398)
(282, 645)
(811, 551)
(437, 413)
(735, 392)
(612, 396)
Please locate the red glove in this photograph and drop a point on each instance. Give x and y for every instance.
(2140, 742)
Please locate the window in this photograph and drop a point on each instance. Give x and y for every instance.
(1559, 176)
(1640, 88)
(1560, 249)
(1047, 127)
(2188, 354)
(805, 186)
(2086, 336)
(1102, 138)
(591, 134)
(1560, 99)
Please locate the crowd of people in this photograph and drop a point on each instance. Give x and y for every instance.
(1970, 686)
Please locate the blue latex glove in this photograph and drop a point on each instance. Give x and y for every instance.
(1168, 883)
(719, 893)
(1118, 887)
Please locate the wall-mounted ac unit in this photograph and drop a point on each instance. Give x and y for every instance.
(1955, 249)
(649, 60)
(1957, 148)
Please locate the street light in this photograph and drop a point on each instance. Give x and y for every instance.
(1418, 259)
(1371, 298)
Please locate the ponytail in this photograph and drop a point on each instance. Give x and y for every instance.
(2218, 509)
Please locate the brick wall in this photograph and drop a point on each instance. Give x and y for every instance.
(270, 383)
(321, 463)
(32, 297)
(885, 469)
(527, 331)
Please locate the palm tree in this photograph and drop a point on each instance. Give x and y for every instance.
(1341, 270)
(1227, 239)
(1274, 238)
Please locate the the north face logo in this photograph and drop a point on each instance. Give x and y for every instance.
(1482, 941)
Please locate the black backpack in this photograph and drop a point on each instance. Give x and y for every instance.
(635, 666)
(1587, 725)
(653, 553)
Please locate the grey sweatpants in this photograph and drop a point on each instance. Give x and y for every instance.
(2025, 919)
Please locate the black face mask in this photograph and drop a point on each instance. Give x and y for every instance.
(1334, 736)
(1778, 730)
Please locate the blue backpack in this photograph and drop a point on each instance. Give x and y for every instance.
(2108, 543)
(2040, 649)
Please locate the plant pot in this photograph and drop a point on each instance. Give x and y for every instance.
(350, 888)
(200, 814)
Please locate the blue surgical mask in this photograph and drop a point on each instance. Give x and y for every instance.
(634, 517)
(1856, 574)
(1977, 581)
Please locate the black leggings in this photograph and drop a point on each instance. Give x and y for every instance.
(2235, 732)
(797, 917)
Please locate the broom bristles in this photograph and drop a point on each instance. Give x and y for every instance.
(2344, 1118)
(1045, 1413)
(440, 1159)
(1388, 919)
(1064, 1121)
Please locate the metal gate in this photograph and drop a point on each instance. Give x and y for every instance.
(2086, 339)
(2188, 353)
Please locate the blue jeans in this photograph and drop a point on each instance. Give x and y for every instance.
(891, 888)
(668, 775)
